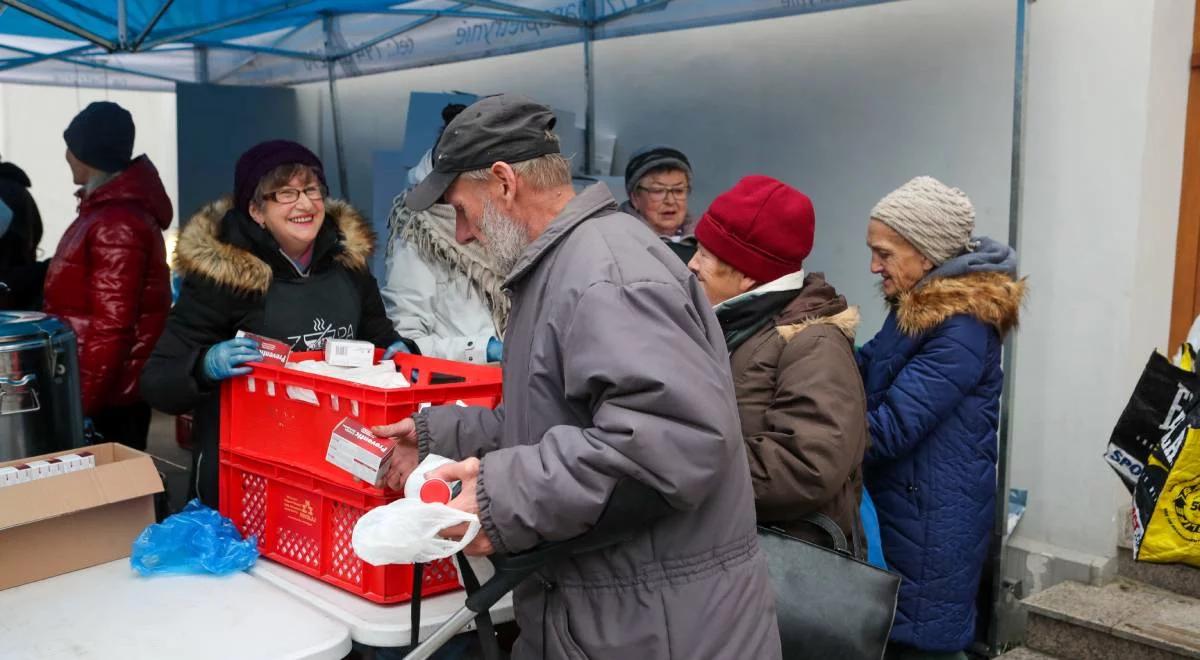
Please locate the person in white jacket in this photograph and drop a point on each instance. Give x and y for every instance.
(444, 295)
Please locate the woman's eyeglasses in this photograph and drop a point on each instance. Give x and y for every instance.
(291, 195)
(659, 194)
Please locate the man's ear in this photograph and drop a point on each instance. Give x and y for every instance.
(506, 178)
(747, 284)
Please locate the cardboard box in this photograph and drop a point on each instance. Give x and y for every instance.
(78, 519)
(356, 450)
(349, 353)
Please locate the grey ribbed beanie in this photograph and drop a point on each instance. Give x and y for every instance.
(938, 220)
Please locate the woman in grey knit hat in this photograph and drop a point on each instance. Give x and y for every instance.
(933, 382)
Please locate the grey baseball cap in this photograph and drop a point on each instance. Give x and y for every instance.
(506, 127)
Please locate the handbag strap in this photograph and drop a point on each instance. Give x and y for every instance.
(831, 528)
(414, 614)
(483, 621)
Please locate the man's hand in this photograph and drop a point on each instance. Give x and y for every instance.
(404, 458)
(466, 472)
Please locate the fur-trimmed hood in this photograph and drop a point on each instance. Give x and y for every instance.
(993, 298)
(846, 322)
(210, 249)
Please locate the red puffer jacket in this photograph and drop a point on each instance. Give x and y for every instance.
(109, 280)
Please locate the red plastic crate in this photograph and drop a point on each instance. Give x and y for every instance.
(260, 420)
(306, 523)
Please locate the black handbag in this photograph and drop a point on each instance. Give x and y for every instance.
(830, 604)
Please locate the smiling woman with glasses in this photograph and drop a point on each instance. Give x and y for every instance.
(278, 259)
(658, 180)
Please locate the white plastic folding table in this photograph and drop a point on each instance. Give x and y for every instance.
(370, 623)
(109, 611)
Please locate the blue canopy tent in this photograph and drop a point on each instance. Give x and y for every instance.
(155, 44)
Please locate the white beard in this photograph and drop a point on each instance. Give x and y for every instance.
(504, 238)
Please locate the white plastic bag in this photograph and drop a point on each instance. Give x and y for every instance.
(406, 532)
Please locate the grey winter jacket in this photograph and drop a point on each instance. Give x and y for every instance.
(615, 366)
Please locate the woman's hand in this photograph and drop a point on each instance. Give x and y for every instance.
(396, 347)
(223, 360)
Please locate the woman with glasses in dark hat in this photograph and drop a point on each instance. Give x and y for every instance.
(658, 180)
(278, 259)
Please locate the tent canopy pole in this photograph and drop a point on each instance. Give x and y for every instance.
(331, 64)
(589, 82)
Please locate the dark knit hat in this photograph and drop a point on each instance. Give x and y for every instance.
(762, 227)
(653, 157)
(101, 136)
(259, 160)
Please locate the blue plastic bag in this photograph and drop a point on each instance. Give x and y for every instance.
(195, 540)
(870, 522)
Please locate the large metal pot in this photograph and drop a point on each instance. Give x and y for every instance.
(40, 407)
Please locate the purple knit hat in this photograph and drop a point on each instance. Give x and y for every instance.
(260, 159)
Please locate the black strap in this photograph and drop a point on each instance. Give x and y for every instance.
(483, 621)
(414, 620)
(831, 528)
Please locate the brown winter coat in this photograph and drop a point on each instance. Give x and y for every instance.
(804, 413)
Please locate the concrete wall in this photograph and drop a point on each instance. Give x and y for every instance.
(32, 120)
(1104, 139)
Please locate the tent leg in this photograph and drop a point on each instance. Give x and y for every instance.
(333, 109)
(122, 25)
(997, 632)
(589, 78)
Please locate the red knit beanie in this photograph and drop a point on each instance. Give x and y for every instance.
(761, 226)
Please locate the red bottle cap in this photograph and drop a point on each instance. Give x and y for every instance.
(435, 491)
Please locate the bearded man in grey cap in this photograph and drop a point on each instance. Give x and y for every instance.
(933, 382)
(615, 370)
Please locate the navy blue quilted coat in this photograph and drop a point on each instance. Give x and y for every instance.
(933, 380)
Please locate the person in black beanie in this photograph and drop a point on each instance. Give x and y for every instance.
(108, 278)
(278, 258)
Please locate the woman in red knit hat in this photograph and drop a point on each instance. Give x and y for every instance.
(791, 345)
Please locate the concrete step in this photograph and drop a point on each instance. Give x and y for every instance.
(1121, 620)
(1026, 653)
(1183, 580)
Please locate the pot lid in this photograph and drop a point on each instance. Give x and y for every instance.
(28, 325)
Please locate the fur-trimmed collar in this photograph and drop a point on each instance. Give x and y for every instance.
(992, 298)
(201, 252)
(846, 321)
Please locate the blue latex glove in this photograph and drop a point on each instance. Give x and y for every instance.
(398, 347)
(222, 360)
(495, 350)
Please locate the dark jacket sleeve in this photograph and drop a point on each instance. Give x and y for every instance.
(816, 427)
(663, 416)
(375, 326)
(948, 365)
(203, 316)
